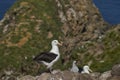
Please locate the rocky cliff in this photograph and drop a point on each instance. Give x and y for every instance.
(112, 74)
(30, 25)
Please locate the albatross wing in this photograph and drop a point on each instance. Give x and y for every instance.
(45, 56)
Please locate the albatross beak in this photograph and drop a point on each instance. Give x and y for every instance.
(60, 43)
(90, 70)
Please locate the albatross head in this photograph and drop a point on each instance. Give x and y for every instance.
(55, 43)
(87, 69)
(55, 48)
(74, 62)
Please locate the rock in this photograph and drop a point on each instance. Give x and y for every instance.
(105, 75)
(114, 78)
(115, 73)
(85, 77)
(95, 75)
(80, 23)
(67, 75)
(64, 75)
(116, 70)
(44, 76)
(27, 77)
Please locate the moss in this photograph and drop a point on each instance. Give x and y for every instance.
(15, 39)
(111, 53)
(109, 59)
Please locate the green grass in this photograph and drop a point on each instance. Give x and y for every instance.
(110, 58)
(111, 54)
(45, 11)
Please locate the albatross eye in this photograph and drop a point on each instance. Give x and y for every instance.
(55, 41)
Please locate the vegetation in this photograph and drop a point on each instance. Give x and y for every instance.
(36, 24)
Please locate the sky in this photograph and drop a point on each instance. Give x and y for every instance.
(110, 9)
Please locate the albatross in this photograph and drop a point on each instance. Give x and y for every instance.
(49, 58)
(75, 68)
(86, 69)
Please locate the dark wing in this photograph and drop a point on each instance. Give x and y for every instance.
(80, 69)
(45, 56)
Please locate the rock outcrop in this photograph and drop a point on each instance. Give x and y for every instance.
(115, 73)
(67, 75)
(116, 70)
(62, 75)
(82, 25)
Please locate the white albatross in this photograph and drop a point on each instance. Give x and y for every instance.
(74, 67)
(86, 69)
(49, 58)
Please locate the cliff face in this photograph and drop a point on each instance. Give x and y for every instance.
(29, 26)
(82, 23)
(113, 74)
